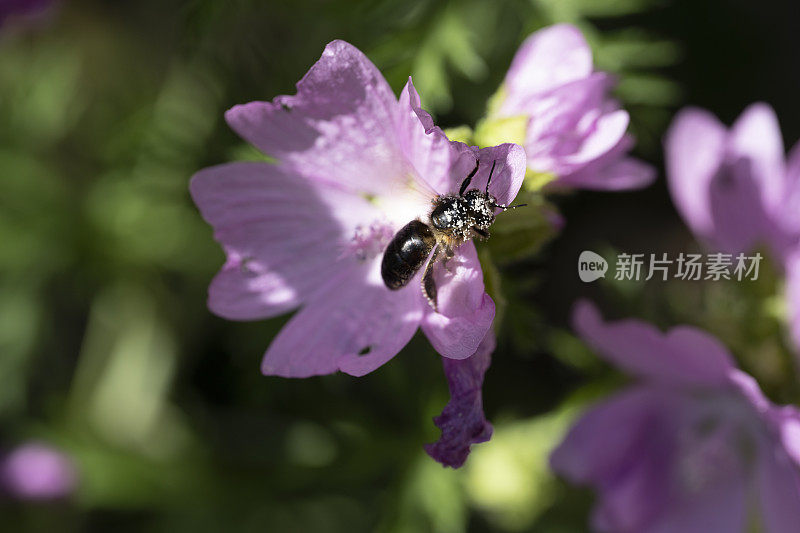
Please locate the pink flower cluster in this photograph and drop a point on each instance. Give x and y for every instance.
(354, 165)
(692, 445)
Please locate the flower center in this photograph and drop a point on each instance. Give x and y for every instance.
(713, 451)
(370, 241)
(703, 462)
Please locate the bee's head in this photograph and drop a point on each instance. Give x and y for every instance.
(482, 199)
(476, 198)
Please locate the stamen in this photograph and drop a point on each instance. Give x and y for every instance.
(368, 242)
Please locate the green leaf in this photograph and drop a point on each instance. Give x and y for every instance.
(492, 131)
(461, 134)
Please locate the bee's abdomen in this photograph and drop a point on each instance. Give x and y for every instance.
(406, 253)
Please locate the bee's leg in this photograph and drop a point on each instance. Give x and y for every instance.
(428, 283)
(449, 253)
(482, 233)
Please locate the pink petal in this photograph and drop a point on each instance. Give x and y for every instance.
(613, 171)
(444, 164)
(508, 161)
(354, 324)
(718, 508)
(778, 488)
(788, 214)
(509, 172)
(624, 174)
(590, 453)
(37, 471)
(562, 119)
(550, 57)
(636, 497)
(709, 479)
(465, 310)
(633, 450)
(683, 355)
(239, 293)
(432, 153)
(577, 133)
(748, 388)
(576, 128)
(606, 134)
(623, 448)
(793, 298)
(340, 127)
(789, 430)
(756, 135)
(735, 202)
(694, 150)
(793, 165)
(462, 421)
(282, 234)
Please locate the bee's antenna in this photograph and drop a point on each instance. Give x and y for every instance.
(490, 176)
(507, 207)
(468, 179)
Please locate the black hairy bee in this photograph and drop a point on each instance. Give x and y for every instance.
(454, 220)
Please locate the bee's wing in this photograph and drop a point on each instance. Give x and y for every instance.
(420, 188)
(408, 197)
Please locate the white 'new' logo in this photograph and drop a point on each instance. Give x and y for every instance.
(591, 266)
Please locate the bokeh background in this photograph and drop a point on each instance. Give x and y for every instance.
(108, 352)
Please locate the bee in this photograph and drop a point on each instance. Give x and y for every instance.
(453, 220)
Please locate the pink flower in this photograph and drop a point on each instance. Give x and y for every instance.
(793, 295)
(573, 129)
(733, 187)
(37, 471)
(735, 190)
(355, 164)
(692, 446)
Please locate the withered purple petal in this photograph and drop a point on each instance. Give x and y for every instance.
(462, 421)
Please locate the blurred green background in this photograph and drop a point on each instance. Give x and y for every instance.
(108, 351)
